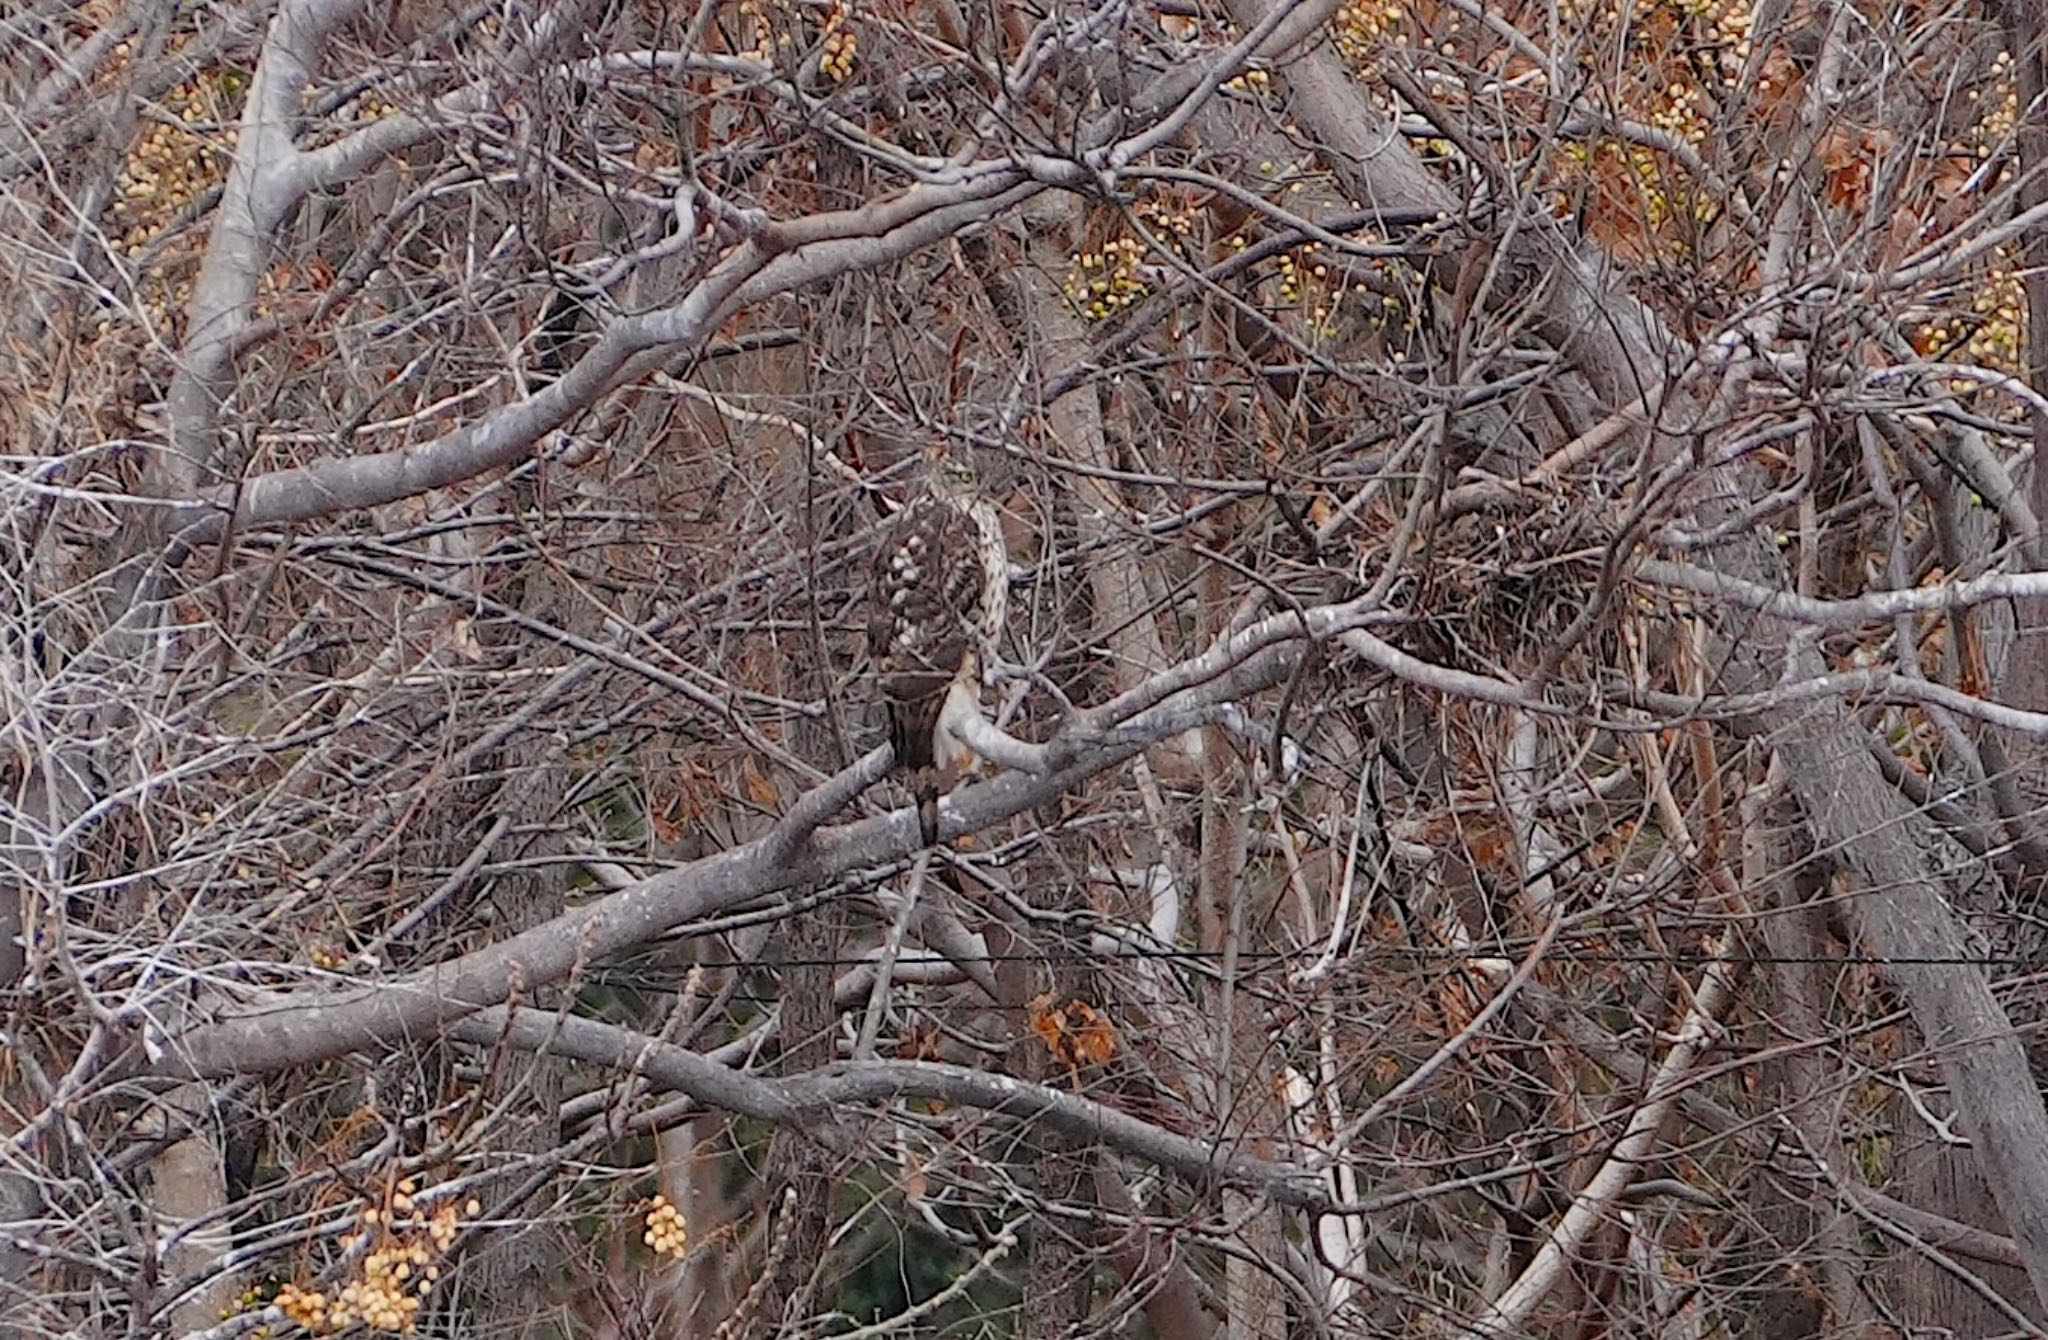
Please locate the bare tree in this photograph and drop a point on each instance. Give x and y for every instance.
(1509, 795)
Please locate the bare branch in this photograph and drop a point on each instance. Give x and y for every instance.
(1512, 1310)
(816, 1096)
(294, 1029)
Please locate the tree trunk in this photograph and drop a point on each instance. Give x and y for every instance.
(519, 1275)
(1040, 974)
(1809, 1260)
(805, 949)
(1933, 1173)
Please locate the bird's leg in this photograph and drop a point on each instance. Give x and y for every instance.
(926, 787)
(997, 671)
(949, 774)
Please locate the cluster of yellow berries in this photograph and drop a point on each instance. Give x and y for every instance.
(172, 165)
(396, 1275)
(1297, 277)
(1359, 26)
(1730, 37)
(1251, 81)
(1184, 28)
(1675, 111)
(1994, 332)
(841, 47)
(1309, 282)
(1719, 27)
(1726, 16)
(1651, 178)
(2001, 304)
(2001, 112)
(1308, 285)
(363, 110)
(767, 37)
(1291, 176)
(1643, 171)
(1105, 282)
(666, 1232)
(1169, 214)
(251, 1300)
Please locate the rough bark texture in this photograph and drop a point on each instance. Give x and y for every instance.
(520, 1282)
(1811, 1279)
(1900, 909)
(1121, 613)
(189, 1182)
(1043, 976)
(1235, 926)
(806, 950)
(1935, 1174)
(1151, 1267)
(796, 1160)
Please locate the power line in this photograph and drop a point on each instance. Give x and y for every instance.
(1674, 958)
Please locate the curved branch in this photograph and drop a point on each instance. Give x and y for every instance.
(303, 1026)
(811, 1097)
(785, 256)
(263, 184)
(1881, 686)
(1874, 607)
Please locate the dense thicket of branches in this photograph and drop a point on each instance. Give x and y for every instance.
(1522, 712)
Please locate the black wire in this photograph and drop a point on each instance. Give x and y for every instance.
(1685, 957)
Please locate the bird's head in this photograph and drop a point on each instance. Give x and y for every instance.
(952, 474)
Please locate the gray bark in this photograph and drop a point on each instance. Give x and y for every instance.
(300, 1027)
(1899, 902)
(1810, 1260)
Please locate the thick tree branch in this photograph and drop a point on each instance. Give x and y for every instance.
(300, 1027)
(820, 247)
(815, 1096)
(263, 184)
(1874, 607)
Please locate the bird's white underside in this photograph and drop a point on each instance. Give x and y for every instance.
(963, 695)
(963, 700)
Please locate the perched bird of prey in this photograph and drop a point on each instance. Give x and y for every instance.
(940, 590)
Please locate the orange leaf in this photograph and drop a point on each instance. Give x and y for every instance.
(1846, 160)
(1075, 1033)
(1046, 1023)
(760, 789)
(1094, 1040)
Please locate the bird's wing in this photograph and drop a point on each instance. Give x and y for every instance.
(927, 596)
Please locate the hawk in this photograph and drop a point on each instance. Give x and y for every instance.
(939, 595)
